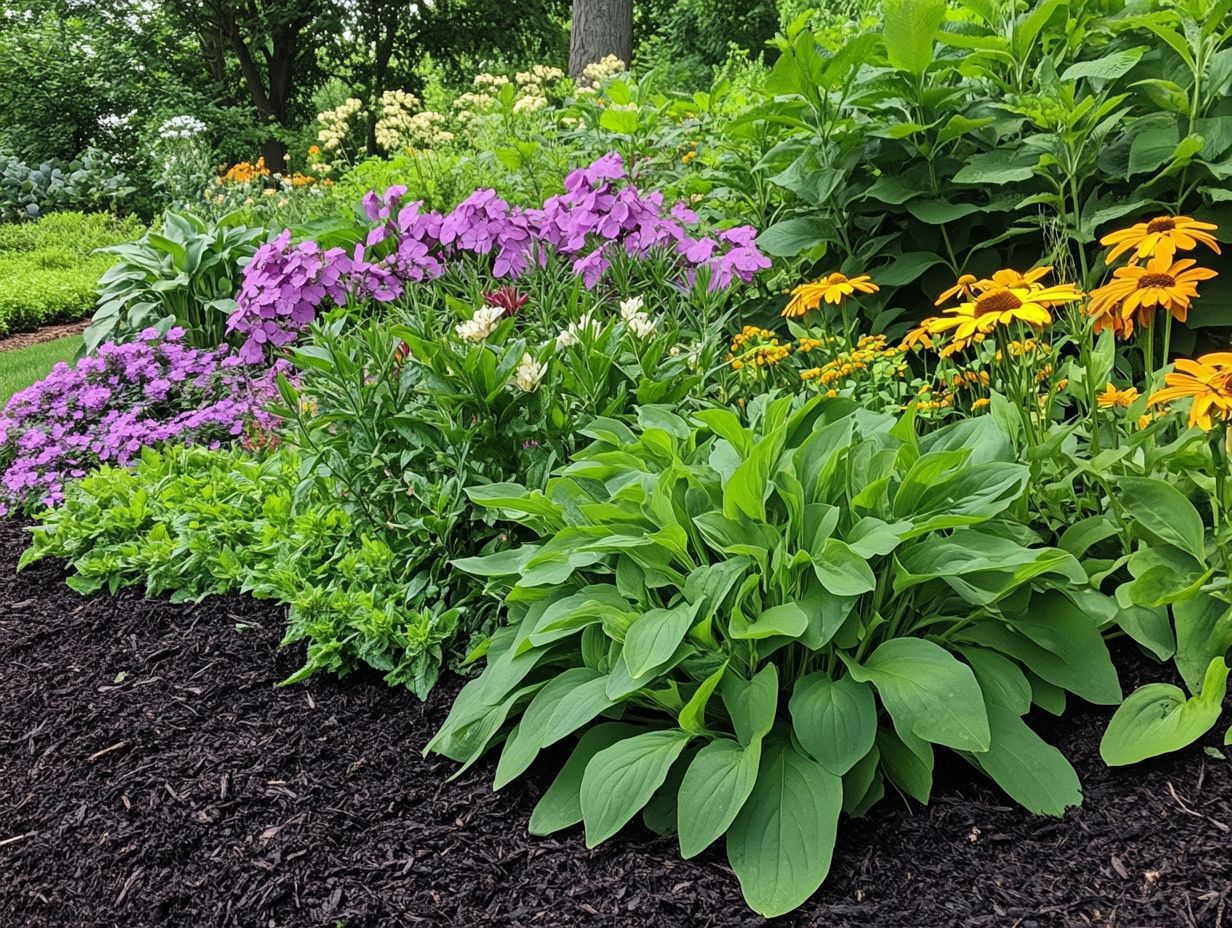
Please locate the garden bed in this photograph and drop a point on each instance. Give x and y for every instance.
(155, 775)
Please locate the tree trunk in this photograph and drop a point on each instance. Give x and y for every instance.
(600, 28)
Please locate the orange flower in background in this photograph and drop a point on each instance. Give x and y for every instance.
(965, 286)
(1112, 398)
(919, 336)
(1208, 381)
(1161, 238)
(1141, 289)
(833, 288)
(314, 150)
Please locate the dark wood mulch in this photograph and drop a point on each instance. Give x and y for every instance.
(152, 774)
(47, 333)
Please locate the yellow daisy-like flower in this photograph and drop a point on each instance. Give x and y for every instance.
(1161, 238)
(1139, 289)
(833, 288)
(1112, 398)
(1012, 279)
(1208, 381)
(1002, 307)
(965, 286)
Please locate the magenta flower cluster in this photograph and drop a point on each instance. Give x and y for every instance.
(598, 216)
(107, 407)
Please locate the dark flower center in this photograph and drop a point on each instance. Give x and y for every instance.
(1146, 281)
(1000, 301)
(1162, 224)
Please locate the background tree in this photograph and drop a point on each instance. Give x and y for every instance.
(600, 28)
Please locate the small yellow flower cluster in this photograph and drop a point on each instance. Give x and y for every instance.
(532, 103)
(756, 347)
(868, 351)
(1112, 398)
(1018, 349)
(538, 80)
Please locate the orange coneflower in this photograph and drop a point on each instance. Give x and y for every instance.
(833, 288)
(1162, 238)
(1112, 398)
(1003, 306)
(1140, 289)
(1208, 380)
(919, 336)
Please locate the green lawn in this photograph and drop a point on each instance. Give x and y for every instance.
(20, 368)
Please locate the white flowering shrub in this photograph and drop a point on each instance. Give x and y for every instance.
(186, 159)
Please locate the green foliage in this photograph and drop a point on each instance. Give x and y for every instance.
(788, 615)
(48, 268)
(27, 191)
(23, 366)
(185, 275)
(191, 523)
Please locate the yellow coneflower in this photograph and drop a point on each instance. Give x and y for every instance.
(1012, 279)
(1161, 238)
(1139, 290)
(1208, 381)
(965, 286)
(833, 288)
(1112, 398)
(1003, 307)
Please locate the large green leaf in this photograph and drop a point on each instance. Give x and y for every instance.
(834, 720)
(928, 692)
(713, 791)
(788, 238)
(620, 779)
(781, 843)
(652, 639)
(909, 32)
(561, 805)
(1034, 773)
(1203, 632)
(1164, 511)
(752, 704)
(1157, 718)
(841, 570)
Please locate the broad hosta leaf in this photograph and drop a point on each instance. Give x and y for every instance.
(1203, 632)
(927, 692)
(652, 639)
(834, 720)
(781, 842)
(752, 704)
(786, 619)
(788, 238)
(713, 791)
(1030, 770)
(1163, 510)
(620, 779)
(1157, 718)
(908, 762)
(841, 570)
(561, 805)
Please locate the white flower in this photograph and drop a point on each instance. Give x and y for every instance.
(530, 104)
(528, 374)
(571, 335)
(642, 325)
(480, 325)
(181, 127)
(631, 307)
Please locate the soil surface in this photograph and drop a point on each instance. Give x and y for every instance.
(153, 774)
(48, 333)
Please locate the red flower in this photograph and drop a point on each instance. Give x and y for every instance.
(507, 298)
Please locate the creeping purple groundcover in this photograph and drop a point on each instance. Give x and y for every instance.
(598, 214)
(107, 407)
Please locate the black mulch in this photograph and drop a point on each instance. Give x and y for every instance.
(152, 774)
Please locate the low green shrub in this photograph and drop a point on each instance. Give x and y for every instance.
(48, 268)
(757, 628)
(193, 522)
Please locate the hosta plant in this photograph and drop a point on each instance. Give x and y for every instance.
(754, 628)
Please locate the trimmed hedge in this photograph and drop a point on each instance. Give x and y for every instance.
(48, 269)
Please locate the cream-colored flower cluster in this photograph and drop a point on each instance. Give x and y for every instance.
(490, 83)
(599, 72)
(636, 318)
(480, 325)
(401, 125)
(538, 80)
(529, 374)
(531, 104)
(587, 325)
(336, 124)
(470, 106)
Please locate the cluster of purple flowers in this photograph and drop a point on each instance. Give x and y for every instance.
(596, 217)
(109, 406)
